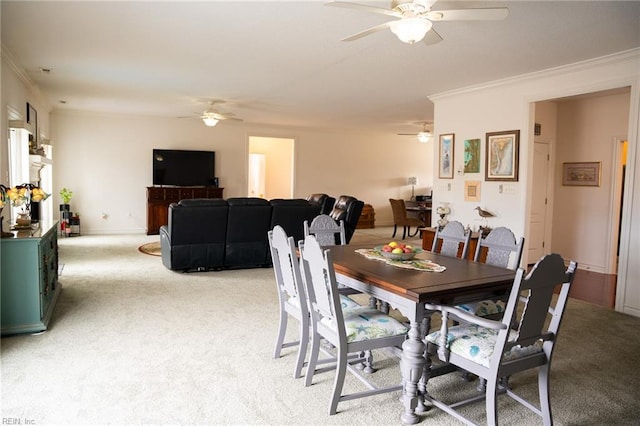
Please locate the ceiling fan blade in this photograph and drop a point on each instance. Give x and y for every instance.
(432, 37)
(407, 134)
(487, 14)
(365, 8)
(367, 32)
(227, 116)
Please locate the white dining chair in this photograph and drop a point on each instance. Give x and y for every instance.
(292, 298)
(349, 331)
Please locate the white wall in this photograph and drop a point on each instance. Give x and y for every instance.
(106, 161)
(582, 217)
(506, 105)
(14, 97)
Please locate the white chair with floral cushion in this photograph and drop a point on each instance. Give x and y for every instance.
(503, 250)
(492, 349)
(350, 331)
(291, 294)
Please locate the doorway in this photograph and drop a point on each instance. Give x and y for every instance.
(620, 149)
(583, 221)
(270, 167)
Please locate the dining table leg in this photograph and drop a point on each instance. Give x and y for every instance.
(421, 408)
(412, 364)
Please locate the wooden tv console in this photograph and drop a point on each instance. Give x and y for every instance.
(159, 198)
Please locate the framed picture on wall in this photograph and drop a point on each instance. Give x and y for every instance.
(502, 156)
(472, 156)
(32, 119)
(472, 190)
(581, 174)
(446, 145)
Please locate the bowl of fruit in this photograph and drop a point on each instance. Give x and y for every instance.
(398, 251)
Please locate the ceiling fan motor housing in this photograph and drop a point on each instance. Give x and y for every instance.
(412, 7)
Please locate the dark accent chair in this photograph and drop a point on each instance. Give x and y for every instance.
(247, 227)
(194, 237)
(347, 208)
(400, 218)
(324, 201)
(291, 214)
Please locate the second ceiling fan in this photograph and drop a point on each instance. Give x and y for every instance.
(414, 18)
(211, 116)
(424, 136)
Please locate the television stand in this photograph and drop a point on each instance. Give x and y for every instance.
(159, 198)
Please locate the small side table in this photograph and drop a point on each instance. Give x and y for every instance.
(74, 226)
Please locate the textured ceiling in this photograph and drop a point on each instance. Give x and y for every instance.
(283, 62)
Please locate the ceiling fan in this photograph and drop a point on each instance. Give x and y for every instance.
(211, 116)
(424, 136)
(414, 18)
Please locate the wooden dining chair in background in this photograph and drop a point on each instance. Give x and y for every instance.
(400, 218)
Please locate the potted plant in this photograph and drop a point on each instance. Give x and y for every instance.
(65, 208)
(66, 195)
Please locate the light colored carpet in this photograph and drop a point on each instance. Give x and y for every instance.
(133, 343)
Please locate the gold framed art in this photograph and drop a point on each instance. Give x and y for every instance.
(581, 174)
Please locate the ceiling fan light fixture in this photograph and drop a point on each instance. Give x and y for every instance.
(424, 137)
(210, 120)
(410, 30)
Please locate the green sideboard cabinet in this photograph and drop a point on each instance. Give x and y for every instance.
(29, 286)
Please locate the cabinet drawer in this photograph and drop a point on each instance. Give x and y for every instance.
(186, 194)
(172, 195)
(155, 194)
(200, 193)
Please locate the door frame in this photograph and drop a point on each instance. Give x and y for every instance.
(615, 208)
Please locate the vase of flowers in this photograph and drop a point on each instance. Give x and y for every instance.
(22, 196)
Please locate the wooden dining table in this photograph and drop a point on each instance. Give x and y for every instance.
(407, 290)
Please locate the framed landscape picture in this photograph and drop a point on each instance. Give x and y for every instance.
(581, 174)
(445, 169)
(502, 156)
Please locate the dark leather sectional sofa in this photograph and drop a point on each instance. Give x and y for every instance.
(206, 234)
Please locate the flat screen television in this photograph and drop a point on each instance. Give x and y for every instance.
(175, 167)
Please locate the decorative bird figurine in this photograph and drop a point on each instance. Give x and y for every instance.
(484, 230)
(484, 213)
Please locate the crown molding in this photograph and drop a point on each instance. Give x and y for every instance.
(9, 59)
(619, 57)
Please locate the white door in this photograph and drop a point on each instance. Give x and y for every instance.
(257, 168)
(537, 221)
